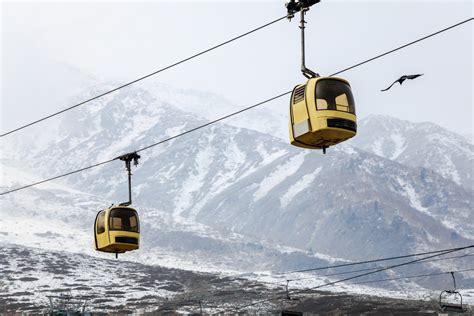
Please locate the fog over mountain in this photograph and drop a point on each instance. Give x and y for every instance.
(233, 197)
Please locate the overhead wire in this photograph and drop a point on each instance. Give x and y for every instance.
(422, 260)
(243, 110)
(215, 47)
(280, 284)
(391, 267)
(414, 276)
(350, 278)
(403, 46)
(234, 113)
(375, 268)
(143, 77)
(366, 261)
(362, 270)
(146, 147)
(278, 297)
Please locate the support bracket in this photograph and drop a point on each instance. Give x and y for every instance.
(302, 6)
(128, 158)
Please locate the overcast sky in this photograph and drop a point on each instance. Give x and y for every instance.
(50, 48)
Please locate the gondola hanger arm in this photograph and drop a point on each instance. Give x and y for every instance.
(302, 6)
(128, 158)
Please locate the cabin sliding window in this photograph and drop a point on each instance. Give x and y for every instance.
(334, 95)
(123, 219)
(101, 222)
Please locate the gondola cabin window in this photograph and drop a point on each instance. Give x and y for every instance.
(123, 219)
(101, 223)
(334, 95)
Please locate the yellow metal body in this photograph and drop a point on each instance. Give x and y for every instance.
(322, 113)
(117, 230)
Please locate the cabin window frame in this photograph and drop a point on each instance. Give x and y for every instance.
(111, 227)
(351, 107)
(100, 227)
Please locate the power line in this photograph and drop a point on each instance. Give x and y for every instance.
(144, 77)
(367, 261)
(214, 121)
(403, 46)
(59, 176)
(413, 276)
(149, 146)
(367, 269)
(370, 269)
(352, 277)
(215, 47)
(219, 119)
(422, 260)
(376, 281)
(391, 267)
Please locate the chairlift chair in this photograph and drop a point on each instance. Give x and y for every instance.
(451, 305)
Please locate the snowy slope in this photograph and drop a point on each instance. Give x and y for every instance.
(55, 217)
(211, 106)
(225, 197)
(424, 145)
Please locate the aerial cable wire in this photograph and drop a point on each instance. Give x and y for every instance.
(366, 269)
(403, 46)
(144, 77)
(370, 261)
(215, 47)
(389, 267)
(422, 260)
(375, 268)
(362, 270)
(59, 176)
(146, 147)
(413, 276)
(226, 116)
(387, 280)
(351, 278)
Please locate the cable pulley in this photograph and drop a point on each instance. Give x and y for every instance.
(293, 6)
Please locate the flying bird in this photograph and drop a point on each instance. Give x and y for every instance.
(403, 78)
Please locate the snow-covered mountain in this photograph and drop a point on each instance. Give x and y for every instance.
(227, 197)
(424, 145)
(211, 106)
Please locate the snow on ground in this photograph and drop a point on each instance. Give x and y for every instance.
(449, 170)
(410, 193)
(194, 182)
(304, 281)
(281, 173)
(377, 147)
(399, 142)
(299, 186)
(268, 157)
(11, 178)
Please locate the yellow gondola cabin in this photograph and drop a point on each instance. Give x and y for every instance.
(322, 113)
(117, 229)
